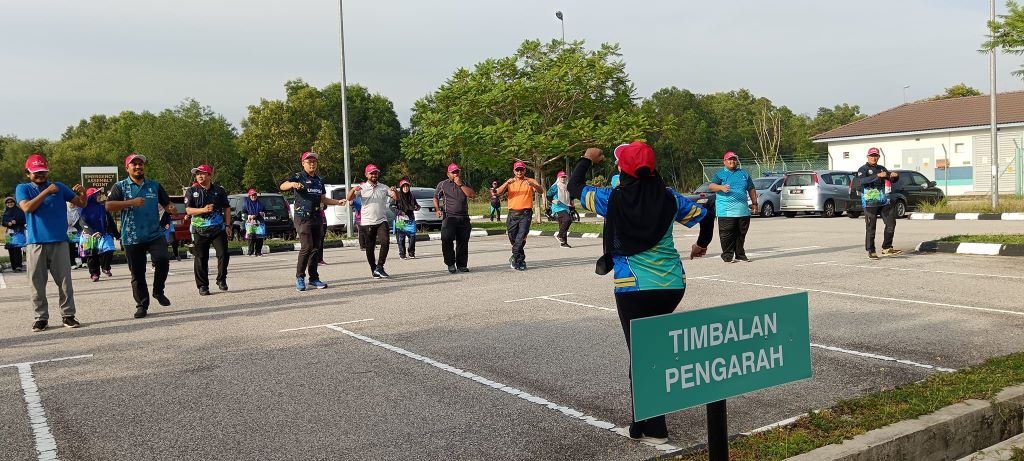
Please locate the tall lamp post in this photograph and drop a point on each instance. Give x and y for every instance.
(994, 136)
(558, 14)
(344, 117)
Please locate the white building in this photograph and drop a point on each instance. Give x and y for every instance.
(946, 140)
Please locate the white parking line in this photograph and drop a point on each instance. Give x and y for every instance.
(3, 283)
(325, 325)
(833, 263)
(780, 250)
(46, 445)
(882, 357)
(536, 297)
(858, 295)
(551, 298)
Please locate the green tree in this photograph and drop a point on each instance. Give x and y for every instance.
(682, 135)
(1008, 33)
(959, 90)
(829, 119)
(13, 152)
(276, 132)
(541, 105)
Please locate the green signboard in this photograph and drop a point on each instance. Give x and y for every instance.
(685, 359)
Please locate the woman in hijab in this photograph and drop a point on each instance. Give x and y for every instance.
(407, 208)
(638, 243)
(14, 221)
(96, 229)
(254, 214)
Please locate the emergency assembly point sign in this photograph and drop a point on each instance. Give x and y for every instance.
(691, 358)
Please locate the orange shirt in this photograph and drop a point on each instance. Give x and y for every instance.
(520, 195)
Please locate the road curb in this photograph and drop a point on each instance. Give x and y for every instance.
(968, 216)
(970, 248)
(950, 433)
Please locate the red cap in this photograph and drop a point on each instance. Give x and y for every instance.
(90, 191)
(306, 155)
(36, 163)
(453, 167)
(403, 182)
(204, 168)
(729, 155)
(561, 174)
(371, 168)
(132, 157)
(874, 151)
(519, 164)
(633, 156)
(252, 191)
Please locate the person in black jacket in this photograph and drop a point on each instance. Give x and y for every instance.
(14, 221)
(871, 180)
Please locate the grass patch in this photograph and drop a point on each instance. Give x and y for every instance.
(1004, 239)
(546, 226)
(1007, 204)
(1017, 454)
(849, 418)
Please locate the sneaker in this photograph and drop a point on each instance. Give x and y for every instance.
(140, 312)
(374, 273)
(565, 245)
(160, 298)
(70, 322)
(463, 269)
(39, 325)
(203, 291)
(872, 255)
(223, 286)
(300, 284)
(742, 258)
(636, 434)
(891, 252)
(412, 256)
(402, 257)
(380, 271)
(521, 266)
(512, 263)
(317, 284)
(108, 273)
(558, 239)
(95, 278)
(452, 269)
(727, 257)
(177, 258)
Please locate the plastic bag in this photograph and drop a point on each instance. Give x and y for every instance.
(16, 240)
(874, 198)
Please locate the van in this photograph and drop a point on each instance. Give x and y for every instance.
(821, 191)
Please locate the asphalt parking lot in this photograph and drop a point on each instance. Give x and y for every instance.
(491, 364)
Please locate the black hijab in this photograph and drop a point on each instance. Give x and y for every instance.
(13, 214)
(640, 211)
(406, 201)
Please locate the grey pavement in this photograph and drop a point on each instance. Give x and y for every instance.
(215, 377)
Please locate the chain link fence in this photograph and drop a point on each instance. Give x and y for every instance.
(758, 168)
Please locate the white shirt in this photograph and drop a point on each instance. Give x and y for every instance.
(375, 203)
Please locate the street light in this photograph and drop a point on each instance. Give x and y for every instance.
(994, 136)
(344, 116)
(558, 14)
(905, 93)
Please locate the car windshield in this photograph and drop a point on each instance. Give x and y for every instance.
(804, 179)
(274, 204)
(421, 194)
(763, 183)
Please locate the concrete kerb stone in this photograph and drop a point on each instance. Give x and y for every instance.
(998, 452)
(950, 433)
(971, 248)
(968, 216)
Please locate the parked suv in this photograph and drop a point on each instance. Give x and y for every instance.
(276, 210)
(823, 191)
(909, 192)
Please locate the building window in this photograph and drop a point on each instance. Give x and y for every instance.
(958, 148)
(846, 155)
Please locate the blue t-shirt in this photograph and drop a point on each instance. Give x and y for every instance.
(553, 195)
(733, 204)
(658, 268)
(142, 224)
(307, 199)
(49, 223)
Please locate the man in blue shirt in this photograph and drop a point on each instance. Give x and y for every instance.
(207, 205)
(732, 186)
(46, 234)
(139, 200)
(309, 202)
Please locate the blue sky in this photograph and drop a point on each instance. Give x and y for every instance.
(64, 60)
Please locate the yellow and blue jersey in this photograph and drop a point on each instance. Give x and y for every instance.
(658, 268)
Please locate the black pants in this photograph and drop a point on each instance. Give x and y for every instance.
(637, 305)
(16, 257)
(100, 261)
(377, 234)
(323, 237)
(518, 225)
(255, 246)
(871, 218)
(136, 255)
(733, 233)
(73, 249)
(564, 221)
(310, 234)
(455, 240)
(201, 266)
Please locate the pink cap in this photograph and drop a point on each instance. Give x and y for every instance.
(90, 191)
(453, 167)
(133, 157)
(634, 156)
(519, 164)
(252, 191)
(204, 168)
(729, 155)
(561, 174)
(36, 163)
(306, 155)
(371, 168)
(403, 182)
(874, 151)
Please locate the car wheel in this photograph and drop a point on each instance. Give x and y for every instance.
(830, 209)
(767, 210)
(853, 214)
(901, 209)
(789, 214)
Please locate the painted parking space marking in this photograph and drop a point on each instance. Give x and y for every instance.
(552, 298)
(882, 357)
(325, 325)
(46, 445)
(781, 250)
(537, 400)
(3, 283)
(858, 295)
(907, 269)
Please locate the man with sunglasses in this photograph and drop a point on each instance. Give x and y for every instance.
(455, 226)
(309, 204)
(732, 187)
(139, 201)
(46, 234)
(374, 220)
(207, 205)
(520, 212)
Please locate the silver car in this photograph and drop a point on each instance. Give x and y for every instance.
(823, 191)
(768, 189)
(426, 217)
